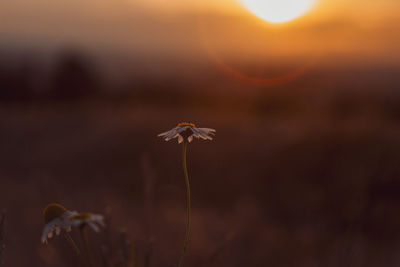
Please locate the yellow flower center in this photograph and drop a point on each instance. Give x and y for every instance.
(183, 124)
(81, 217)
(52, 211)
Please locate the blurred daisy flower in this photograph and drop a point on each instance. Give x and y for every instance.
(58, 219)
(186, 131)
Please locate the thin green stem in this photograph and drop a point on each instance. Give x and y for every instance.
(187, 233)
(85, 245)
(72, 243)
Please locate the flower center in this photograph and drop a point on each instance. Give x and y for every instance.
(53, 211)
(183, 124)
(81, 217)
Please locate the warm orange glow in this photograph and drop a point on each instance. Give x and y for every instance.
(278, 11)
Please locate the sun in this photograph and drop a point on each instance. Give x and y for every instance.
(278, 11)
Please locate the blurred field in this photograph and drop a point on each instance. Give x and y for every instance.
(293, 178)
(303, 172)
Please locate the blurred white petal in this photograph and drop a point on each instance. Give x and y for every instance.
(58, 230)
(93, 226)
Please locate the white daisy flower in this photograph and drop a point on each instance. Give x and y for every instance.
(58, 219)
(185, 130)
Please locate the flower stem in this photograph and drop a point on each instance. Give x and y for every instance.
(187, 233)
(72, 243)
(85, 245)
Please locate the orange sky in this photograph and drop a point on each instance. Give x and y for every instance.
(356, 29)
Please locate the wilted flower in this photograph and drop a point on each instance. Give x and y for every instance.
(185, 130)
(58, 219)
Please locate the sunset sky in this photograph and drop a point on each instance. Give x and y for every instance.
(348, 30)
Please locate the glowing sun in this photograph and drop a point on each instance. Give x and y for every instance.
(278, 11)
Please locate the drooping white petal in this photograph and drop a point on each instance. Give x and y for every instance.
(172, 133)
(180, 139)
(93, 226)
(55, 225)
(163, 134)
(76, 223)
(209, 130)
(169, 135)
(58, 230)
(203, 136)
(206, 133)
(195, 132)
(99, 219)
(47, 229)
